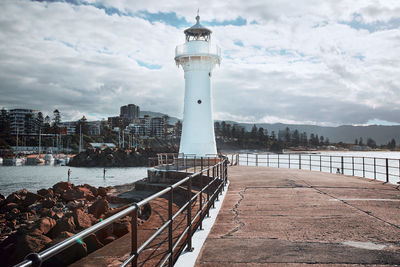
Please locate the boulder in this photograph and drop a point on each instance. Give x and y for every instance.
(71, 194)
(88, 192)
(46, 192)
(109, 239)
(81, 219)
(92, 243)
(69, 255)
(2, 197)
(66, 224)
(102, 234)
(92, 189)
(16, 247)
(99, 207)
(102, 191)
(8, 207)
(115, 211)
(60, 187)
(121, 227)
(48, 203)
(44, 225)
(14, 198)
(30, 198)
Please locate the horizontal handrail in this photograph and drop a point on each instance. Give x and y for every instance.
(219, 173)
(386, 169)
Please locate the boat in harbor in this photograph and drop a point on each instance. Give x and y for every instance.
(48, 158)
(13, 161)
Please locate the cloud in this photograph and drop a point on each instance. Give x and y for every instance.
(311, 62)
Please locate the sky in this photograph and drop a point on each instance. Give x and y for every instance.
(302, 62)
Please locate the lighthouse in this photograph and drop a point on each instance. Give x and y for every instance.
(197, 56)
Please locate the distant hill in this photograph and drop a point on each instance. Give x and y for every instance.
(345, 133)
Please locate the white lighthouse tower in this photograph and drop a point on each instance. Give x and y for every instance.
(198, 56)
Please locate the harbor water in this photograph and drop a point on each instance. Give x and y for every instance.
(33, 178)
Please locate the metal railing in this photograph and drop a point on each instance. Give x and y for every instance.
(210, 182)
(385, 169)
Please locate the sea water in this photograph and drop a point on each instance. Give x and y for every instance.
(33, 178)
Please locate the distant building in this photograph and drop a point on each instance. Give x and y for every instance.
(157, 127)
(23, 121)
(130, 112)
(70, 127)
(94, 127)
(117, 121)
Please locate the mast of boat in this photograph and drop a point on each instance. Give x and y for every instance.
(40, 141)
(123, 138)
(17, 138)
(80, 137)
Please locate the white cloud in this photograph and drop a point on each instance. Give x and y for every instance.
(301, 62)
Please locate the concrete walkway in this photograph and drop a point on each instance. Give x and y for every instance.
(280, 217)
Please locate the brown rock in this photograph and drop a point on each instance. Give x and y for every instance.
(115, 211)
(102, 191)
(48, 203)
(92, 189)
(14, 198)
(87, 192)
(102, 234)
(109, 239)
(99, 207)
(63, 225)
(69, 255)
(46, 224)
(46, 192)
(92, 243)
(72, 194)
(16, 247)
(81, 219)
(121, 227)
(60, 187)
(30, 198)
(9, 207)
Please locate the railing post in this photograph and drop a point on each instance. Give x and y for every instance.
(310, 162)
(268, 160)
(320, 163)
(189, 217)
(289, 160)
(387, 170)
(256, 160)
(237, 159)
(194, 164)
(352, 164)
(278, 160)
(208, 190)
(342, 165)
(247, 159)
(330, 163)
(201, 193)
(170, 228)
(363, 167)
(374, 168)
(232, 160)
(134, 237)
(213, 177)
(299, 161)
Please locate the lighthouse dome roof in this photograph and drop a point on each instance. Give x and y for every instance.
(197, 31)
